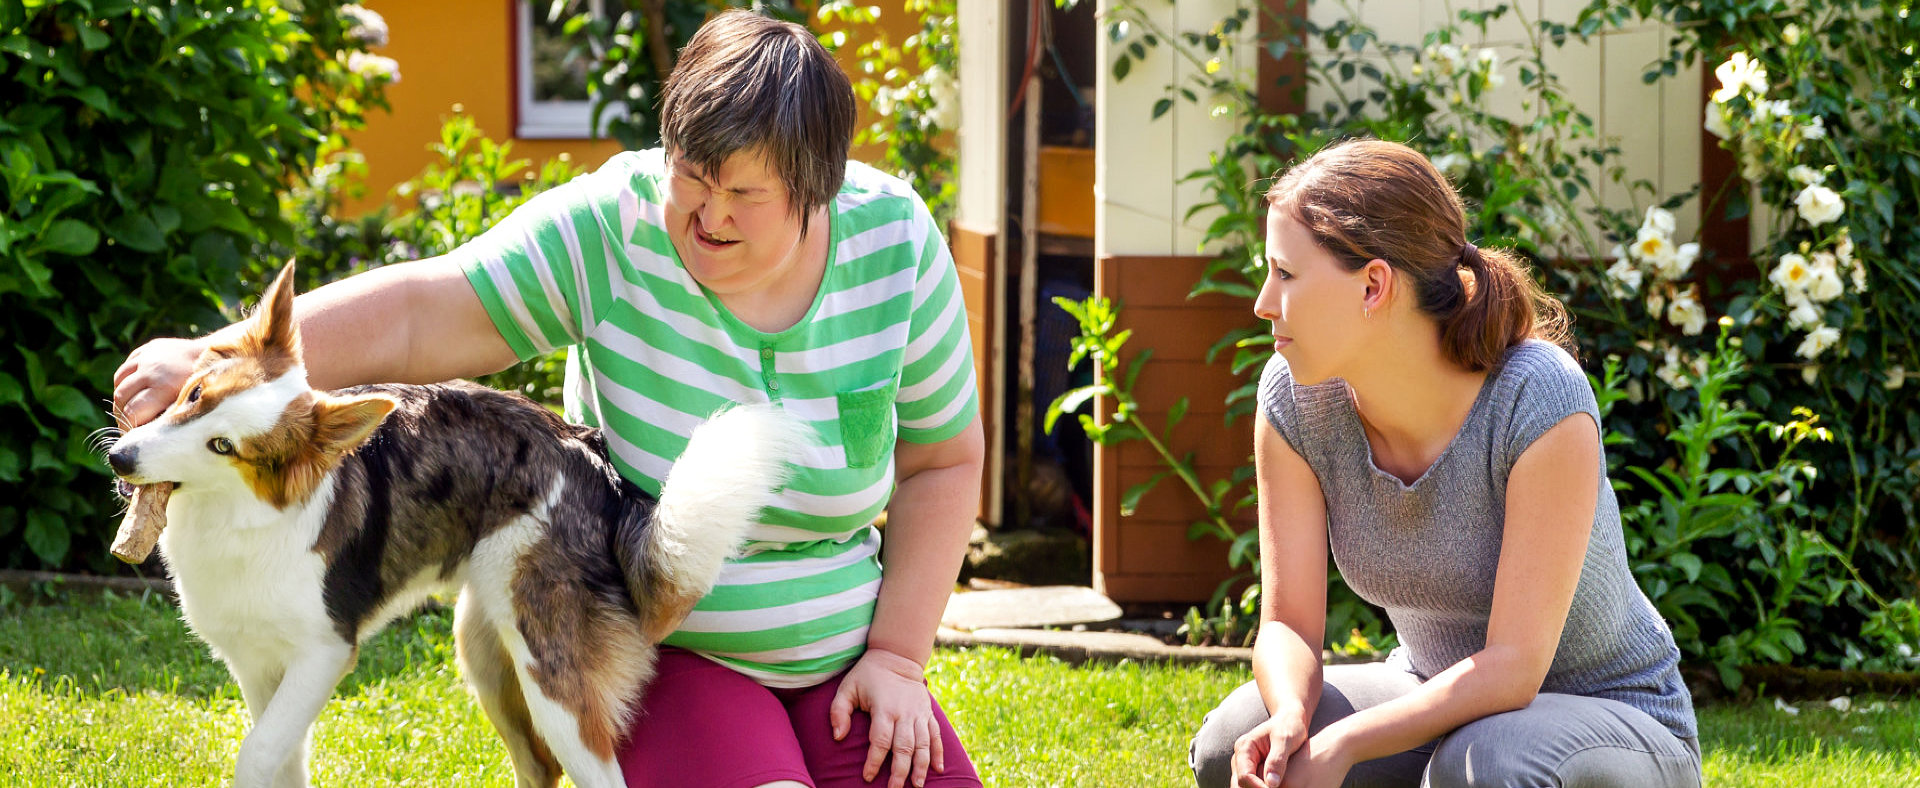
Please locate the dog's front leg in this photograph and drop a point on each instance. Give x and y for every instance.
(280, 730)
(258, 681)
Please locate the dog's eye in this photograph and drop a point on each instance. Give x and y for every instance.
(194, 395)
(220, 446)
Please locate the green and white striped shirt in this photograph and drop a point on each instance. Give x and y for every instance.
(882, 355)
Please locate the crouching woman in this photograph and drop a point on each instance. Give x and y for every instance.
(1421, 423)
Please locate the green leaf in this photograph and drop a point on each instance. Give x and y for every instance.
(1071, 401)
(137, 231)
(9, 464)
(70, 236)
(47, 536)
(96, 97)
(1161, 107)
(1688, 564)
(10, 391)
(68, 403)
(1176, 413)
(92, 39)
(1121, 66)
(1130, 500)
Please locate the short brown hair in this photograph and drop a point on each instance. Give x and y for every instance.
(750, 84)
(1366, 200)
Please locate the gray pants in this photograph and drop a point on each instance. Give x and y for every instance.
(1559, 740)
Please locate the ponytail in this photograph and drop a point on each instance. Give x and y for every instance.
(1501, 306)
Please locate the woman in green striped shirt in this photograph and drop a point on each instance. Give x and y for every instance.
(745, 261)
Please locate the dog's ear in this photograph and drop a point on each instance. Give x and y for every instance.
(341, 424)
(273, 327)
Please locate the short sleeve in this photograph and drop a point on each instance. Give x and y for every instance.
(530, 269)
(939, 396)
(1545, 386)
(1277, 403)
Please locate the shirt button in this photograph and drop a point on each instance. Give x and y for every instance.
(766, 352)
(773, 384)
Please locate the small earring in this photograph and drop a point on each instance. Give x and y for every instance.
(1367, 313)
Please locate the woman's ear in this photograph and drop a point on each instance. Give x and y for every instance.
(1380, 279)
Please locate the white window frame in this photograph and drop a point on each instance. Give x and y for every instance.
(550, 120)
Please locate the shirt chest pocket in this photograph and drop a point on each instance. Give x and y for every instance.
(866, 423)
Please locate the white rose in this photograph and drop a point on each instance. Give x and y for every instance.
(1826, 284)
(1687, 313)
(1859, 275)
(1810, 373)
(1792, 273)
(1671, 373)
(1683, 259)
(1656, 301)
(1739, 72)
(1819, 204)
(369, 27)
(1658, 218)
(374, 68)
(1803, 316)
(1791, 34)
(1453, 165)
(1716, 123)
(1623, 272)
(1817, 342)
(1807, 176)
(1896, 377)
(1843, 248)
(1636, 393)
(1653, 247)
(1815, 130)
(1446, 58)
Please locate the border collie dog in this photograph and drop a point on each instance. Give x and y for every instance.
(302, 522)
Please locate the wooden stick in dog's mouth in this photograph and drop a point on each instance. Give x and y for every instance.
(146, 518)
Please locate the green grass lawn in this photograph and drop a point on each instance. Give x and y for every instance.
(113, 691)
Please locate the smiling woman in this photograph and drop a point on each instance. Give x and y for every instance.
(746, 261)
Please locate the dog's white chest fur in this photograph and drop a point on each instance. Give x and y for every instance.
(249, 580)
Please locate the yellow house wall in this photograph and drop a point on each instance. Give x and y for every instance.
(461, 52)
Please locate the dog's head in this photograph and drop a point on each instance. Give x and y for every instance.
(247, 422)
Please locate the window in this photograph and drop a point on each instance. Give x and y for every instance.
(552, 100)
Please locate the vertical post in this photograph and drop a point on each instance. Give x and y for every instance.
(1029, 291)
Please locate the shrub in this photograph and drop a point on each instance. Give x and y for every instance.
(143, 149)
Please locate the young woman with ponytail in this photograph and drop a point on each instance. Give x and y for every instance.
(1422, 423)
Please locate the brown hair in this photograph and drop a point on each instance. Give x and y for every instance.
(1370, 199)
(748, 84)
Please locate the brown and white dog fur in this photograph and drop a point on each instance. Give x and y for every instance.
(305, 521)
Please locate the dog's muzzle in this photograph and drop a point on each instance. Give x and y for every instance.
(123, 460)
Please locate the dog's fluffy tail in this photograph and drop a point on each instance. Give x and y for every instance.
(731, 469)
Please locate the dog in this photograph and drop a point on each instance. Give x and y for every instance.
(302, 522)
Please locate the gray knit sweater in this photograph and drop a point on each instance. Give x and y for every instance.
(1427, 551)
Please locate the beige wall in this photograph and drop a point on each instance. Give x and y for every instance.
(1140, 204)
(1656, 126)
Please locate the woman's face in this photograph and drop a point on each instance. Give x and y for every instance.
(1315, 304)
(735, 227)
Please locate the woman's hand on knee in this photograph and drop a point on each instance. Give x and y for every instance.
(1260, 757)
(892, 689)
